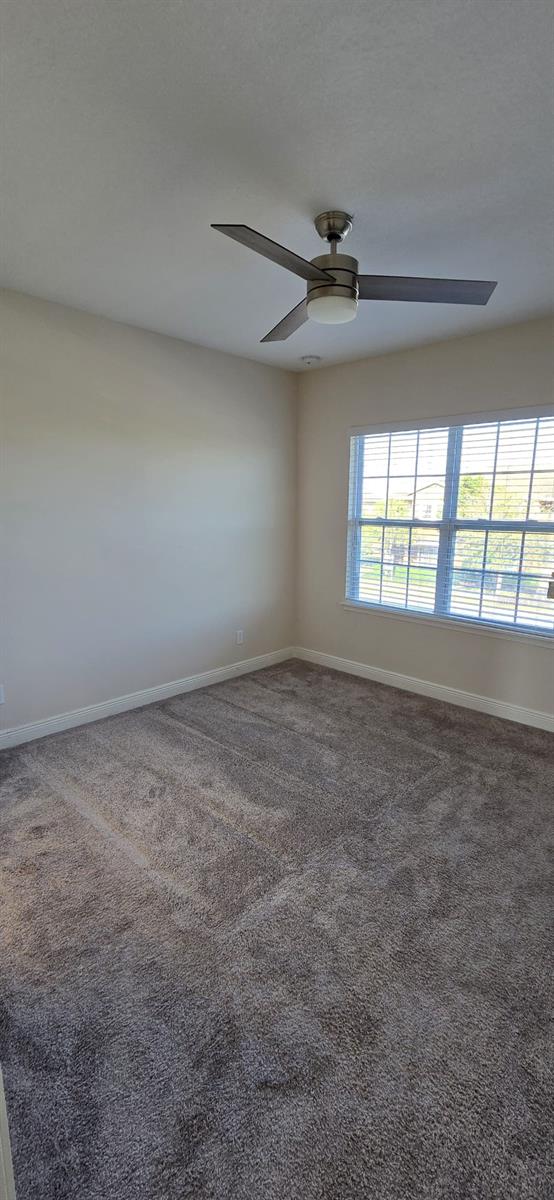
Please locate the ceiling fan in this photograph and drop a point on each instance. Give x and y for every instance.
(334, 285)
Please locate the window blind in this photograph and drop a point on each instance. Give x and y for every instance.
(455, 521)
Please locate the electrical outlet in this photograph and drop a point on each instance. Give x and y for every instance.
(239, 637)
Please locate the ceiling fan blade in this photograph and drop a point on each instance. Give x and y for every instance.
(430, 291)
(293, 320)
(278, 254)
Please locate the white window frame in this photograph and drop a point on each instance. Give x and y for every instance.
(448, 525)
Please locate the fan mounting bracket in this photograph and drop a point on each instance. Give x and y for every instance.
(333, 226)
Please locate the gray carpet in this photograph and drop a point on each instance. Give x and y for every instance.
(282, 939)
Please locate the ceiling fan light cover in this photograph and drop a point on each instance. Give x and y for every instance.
(332, 310)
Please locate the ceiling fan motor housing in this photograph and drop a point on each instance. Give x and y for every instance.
(344, 270)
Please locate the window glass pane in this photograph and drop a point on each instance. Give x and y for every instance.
(424, 547)
(474, 497)
(503, 551)
(465, 600)
(469, 548)
(534, 608)
(544, 454)
(429, 498)
(516, 442)
(371, 542)
(403, 452)
(431, 457)
(374, 497)
(542, 497)
(538, 554)
(511, 496)
(401, 497)
(478, 449)
(396, 544)
(421, 588)
(370, 582)
(376, 454)
(499, 596)
(394, 585)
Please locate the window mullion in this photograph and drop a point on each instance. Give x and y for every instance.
(522, 547)
(445, 556)
(382, 557)
(483, 568)
(493, 488)
(532, 471)
(385, 517)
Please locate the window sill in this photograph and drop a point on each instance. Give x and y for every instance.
(452, 623)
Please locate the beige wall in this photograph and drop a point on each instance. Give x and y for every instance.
(508, 368)
(147, 509)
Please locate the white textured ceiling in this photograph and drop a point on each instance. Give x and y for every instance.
(129, 125)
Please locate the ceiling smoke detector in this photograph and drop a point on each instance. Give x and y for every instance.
(335, 286)
(310, 360)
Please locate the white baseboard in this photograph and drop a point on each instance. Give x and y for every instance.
(437, 691)
(424, 687)
(108, 708)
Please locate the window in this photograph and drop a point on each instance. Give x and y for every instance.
(456, 521)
